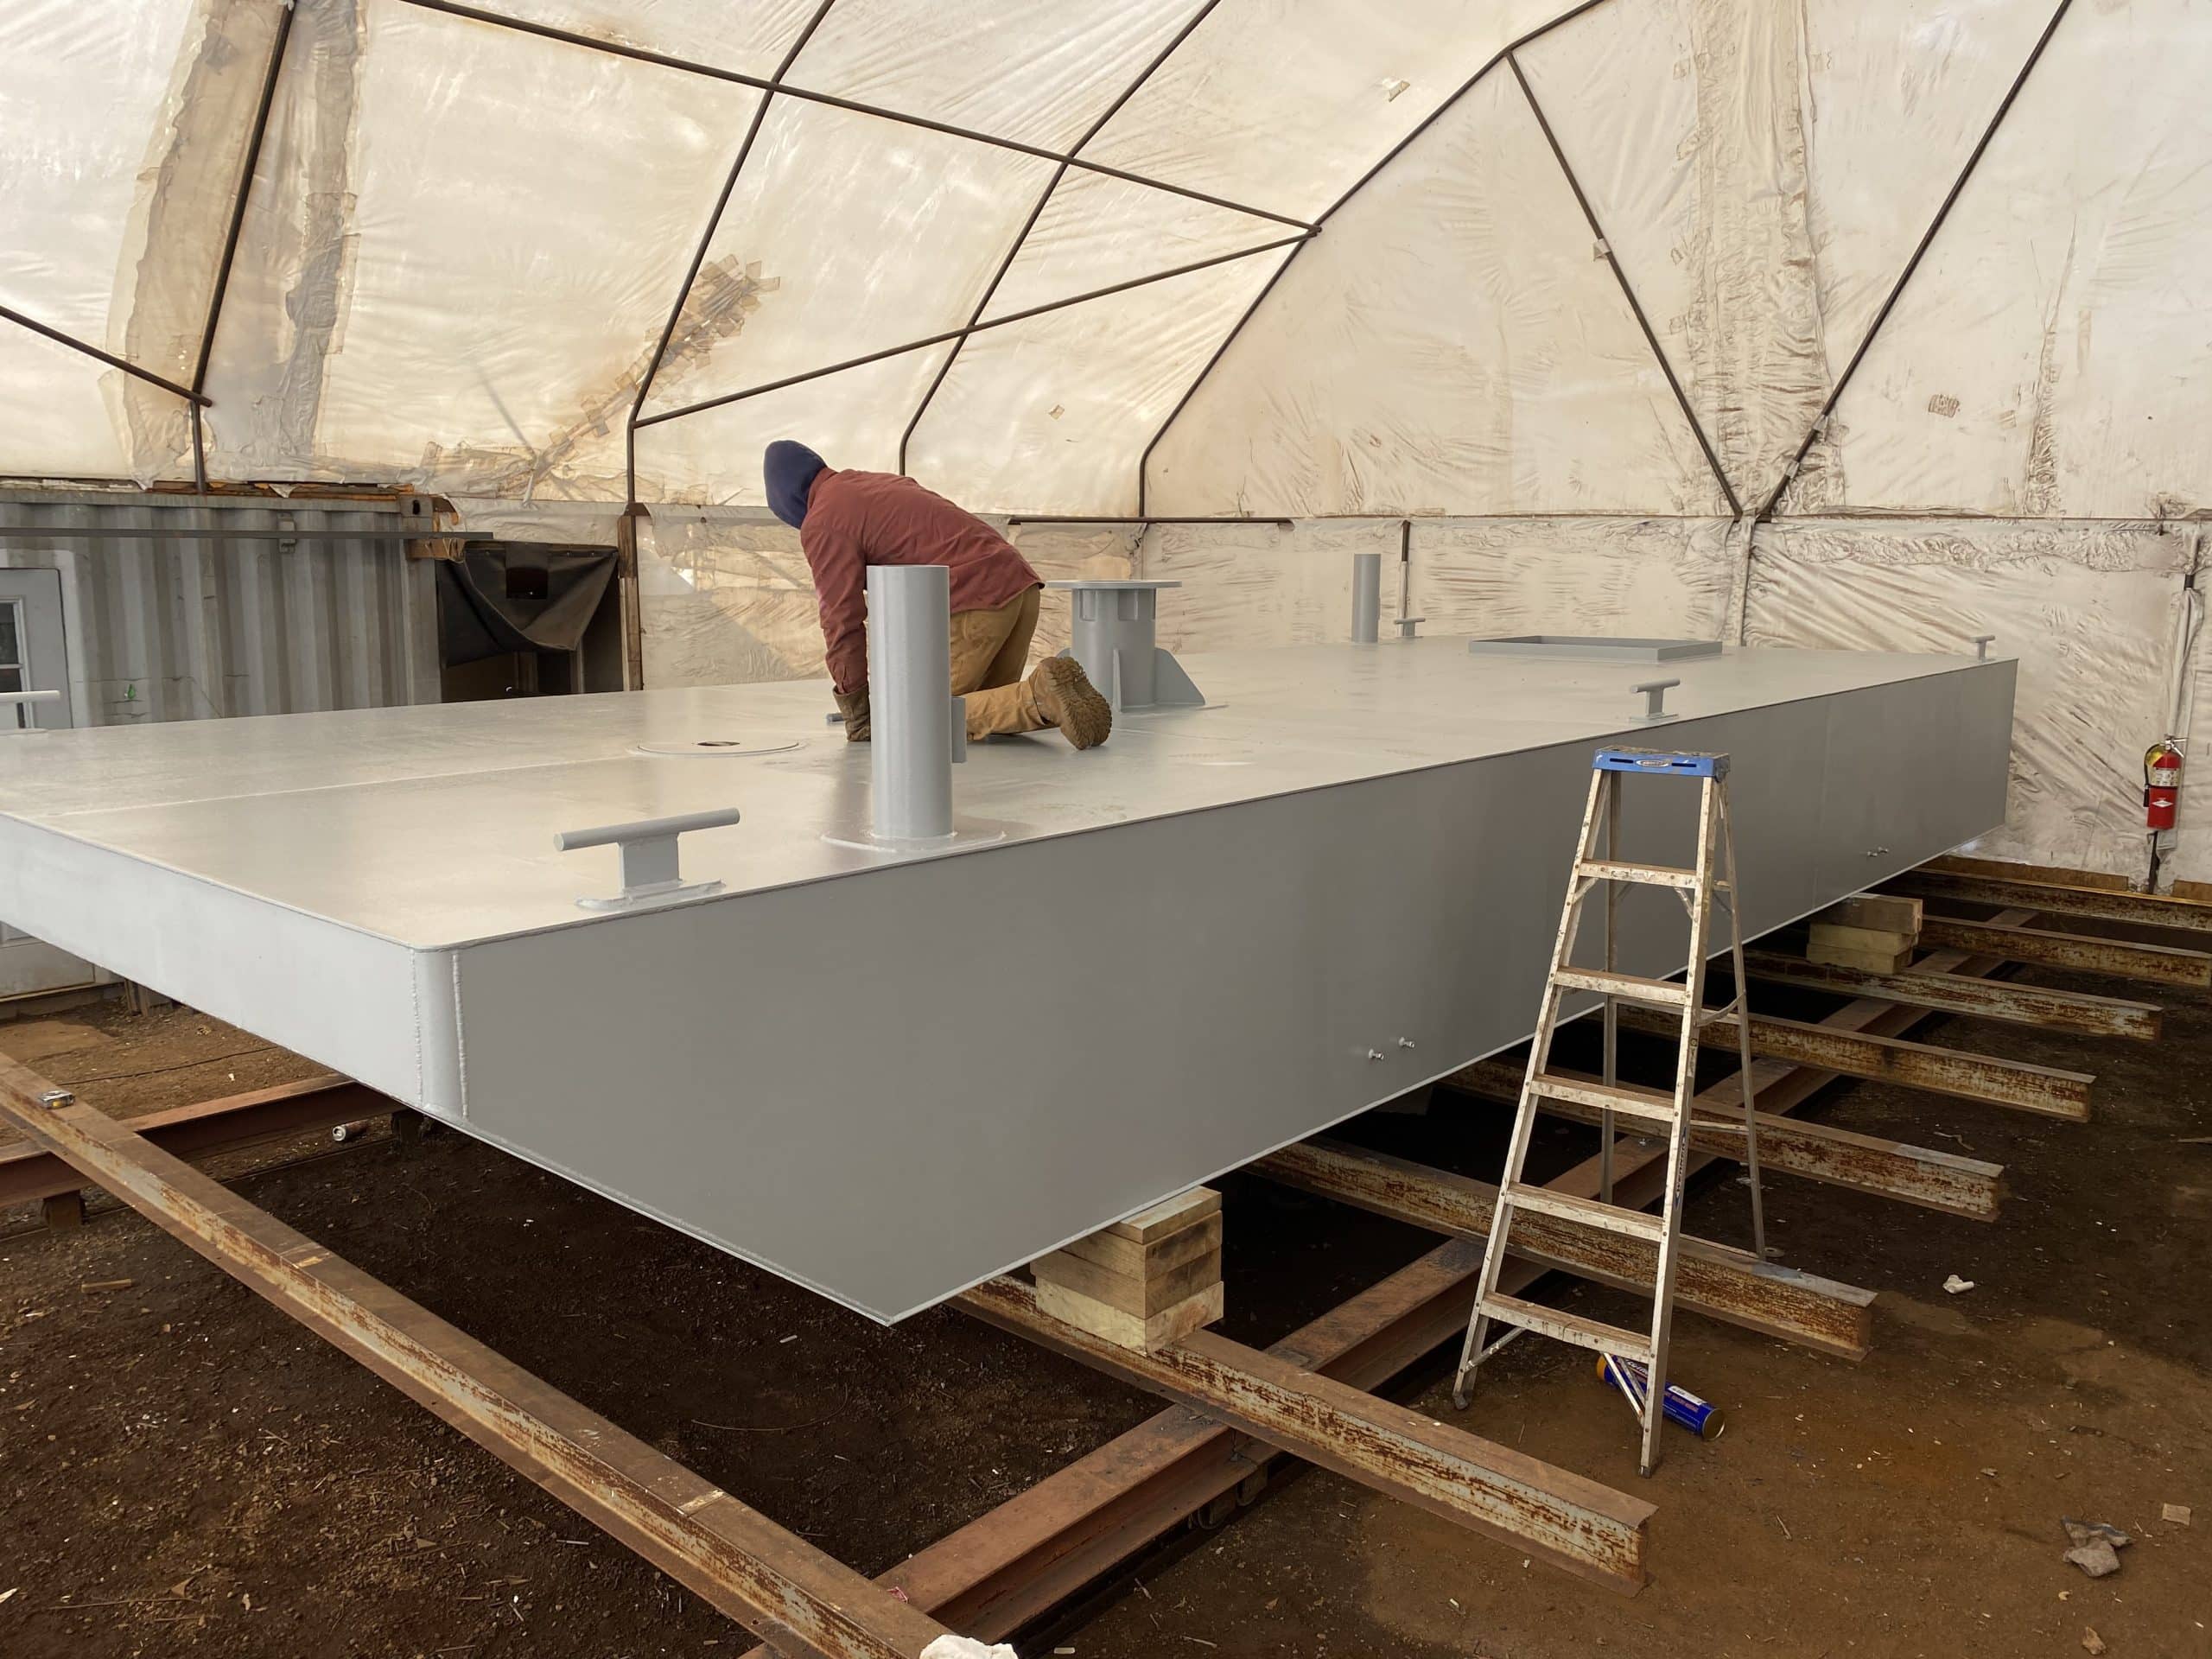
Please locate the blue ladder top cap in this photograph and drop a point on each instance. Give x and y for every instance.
(1662, 763)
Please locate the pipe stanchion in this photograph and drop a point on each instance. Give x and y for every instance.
(909, 668)
(1366, 598)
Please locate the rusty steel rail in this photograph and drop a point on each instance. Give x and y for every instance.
(1818, 1152)
(2157, 964)
(1725, 1283)
(731, 1556)
(2002, 1000)
(2039, 875)
(1567, 1519)
(231, 1124)
(1005, 1568)
(2096, 903)
(2041, 1089)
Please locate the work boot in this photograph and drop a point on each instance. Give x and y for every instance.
(1066, 698)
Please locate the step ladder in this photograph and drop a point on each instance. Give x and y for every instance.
(1656, 1110)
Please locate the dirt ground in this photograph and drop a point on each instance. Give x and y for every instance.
(188, 1471)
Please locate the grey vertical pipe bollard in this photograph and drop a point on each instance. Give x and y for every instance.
(1366, 598)
(909, 677)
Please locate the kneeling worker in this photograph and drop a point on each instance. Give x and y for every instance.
(848, 521)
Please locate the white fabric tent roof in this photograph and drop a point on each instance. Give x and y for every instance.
(452, 255)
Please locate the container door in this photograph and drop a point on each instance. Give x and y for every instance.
(32, 658)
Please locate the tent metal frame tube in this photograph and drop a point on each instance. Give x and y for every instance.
(108, 358)
(706, 241)
(1277, 519)
(1044, 199)
(1144, 461)
(1628, 290)
(195, 395)
(250, 164)
(960, 334)
(686, 66)
(1835, 395)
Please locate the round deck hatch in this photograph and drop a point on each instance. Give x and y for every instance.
(726, 747)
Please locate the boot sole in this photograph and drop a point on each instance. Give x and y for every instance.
(1086, 718)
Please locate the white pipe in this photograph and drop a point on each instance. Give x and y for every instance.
(909, 674)
(1366, 598)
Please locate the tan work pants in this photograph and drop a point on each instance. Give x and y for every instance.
(990, 649)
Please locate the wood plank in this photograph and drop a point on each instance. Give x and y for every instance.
(1880, 912)
(731, 1556)
(1871, 939)
(1143, 1294)
(1867, 959)
(1168, 1216)
(1144, 1332)
(1562, 1517)
(1126, 1255)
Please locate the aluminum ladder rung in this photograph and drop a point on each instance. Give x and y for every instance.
(1653, 1105)
(1610, 1218)
(1644, 876)
(1563, 1326)
(1666, 993)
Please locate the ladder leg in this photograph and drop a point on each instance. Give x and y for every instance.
(1743, 1027)
(1613, 1015)
(1662, 1299)
(1516, 1152)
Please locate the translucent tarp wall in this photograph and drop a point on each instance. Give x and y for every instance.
(1581, 325)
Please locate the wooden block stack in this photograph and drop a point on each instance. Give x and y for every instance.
(1144, 1282)
(1873, 932)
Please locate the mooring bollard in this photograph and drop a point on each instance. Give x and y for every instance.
(1366, 598)
(24, 723)
(909, 668)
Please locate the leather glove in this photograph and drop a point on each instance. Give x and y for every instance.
(853, 705)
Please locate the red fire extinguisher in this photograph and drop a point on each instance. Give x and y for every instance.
(2161, 783)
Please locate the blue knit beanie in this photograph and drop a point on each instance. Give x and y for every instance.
(789, 468)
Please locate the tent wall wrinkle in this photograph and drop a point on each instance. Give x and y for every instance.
(2050, 356)
(284, 314)
(171, 247)
(1450, 344)
(1687, 122)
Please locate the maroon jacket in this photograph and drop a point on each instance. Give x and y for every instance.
(856, 520)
